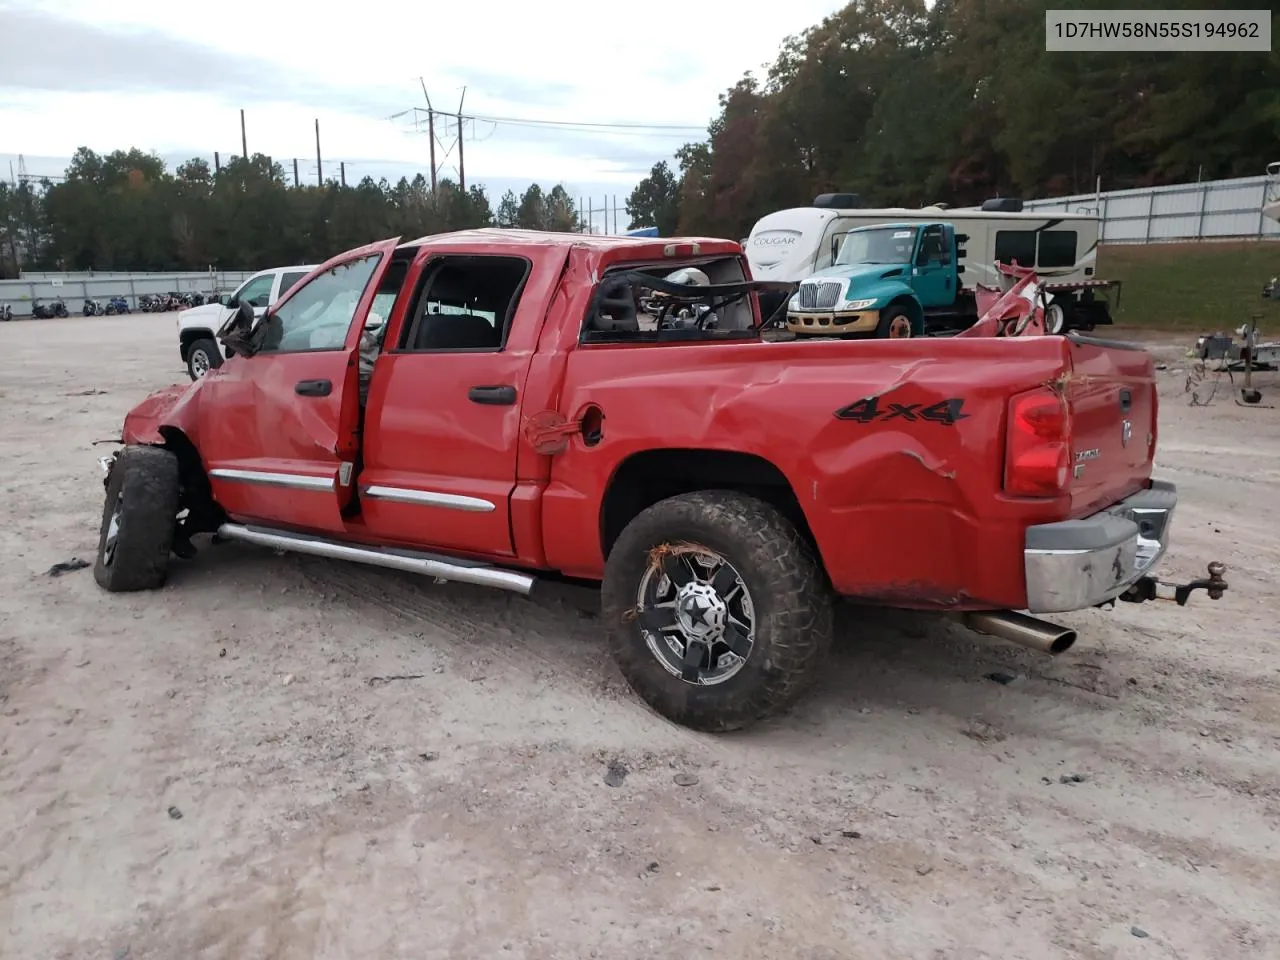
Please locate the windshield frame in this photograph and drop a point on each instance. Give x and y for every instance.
(912, 232)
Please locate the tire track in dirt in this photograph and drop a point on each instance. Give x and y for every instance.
(552, 637)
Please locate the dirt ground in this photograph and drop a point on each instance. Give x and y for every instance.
(216, 769)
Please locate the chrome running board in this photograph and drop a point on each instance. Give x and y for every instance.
(425, 564)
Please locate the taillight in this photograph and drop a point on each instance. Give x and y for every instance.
(1038, 446)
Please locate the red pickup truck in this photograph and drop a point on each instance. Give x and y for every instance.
(496, 406)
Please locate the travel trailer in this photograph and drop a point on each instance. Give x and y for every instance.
(795, 244)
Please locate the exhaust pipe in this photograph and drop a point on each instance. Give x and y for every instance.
(445, 568)
(1022, 629)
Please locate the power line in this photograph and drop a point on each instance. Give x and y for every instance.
(529, 122)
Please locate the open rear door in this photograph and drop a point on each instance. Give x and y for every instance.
(279, 428)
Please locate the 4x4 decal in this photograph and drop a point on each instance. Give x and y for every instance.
(868, 409)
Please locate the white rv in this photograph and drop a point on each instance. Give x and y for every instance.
(793, 244)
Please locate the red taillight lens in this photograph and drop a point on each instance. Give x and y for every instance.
(1038, 447)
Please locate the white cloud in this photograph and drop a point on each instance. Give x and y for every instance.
(172, 77)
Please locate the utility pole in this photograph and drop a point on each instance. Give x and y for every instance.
(462, 167)
(217, 162)
(244, 142)
(295, 171)
(319, 169)
(431, 132)
(342, 172)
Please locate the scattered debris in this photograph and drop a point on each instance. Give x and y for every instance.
(684, 779)
(816, 839)
(924, 870)
(1139, 933)
(1002, 678)
(222, 652)
(383, 681)
(1073, 778)
(615, 774)
(851, 834)
(286, 679)
(175, 813)
(67, 566)
(652, 867)
(429, 756)
(714, 888)
(84, 663)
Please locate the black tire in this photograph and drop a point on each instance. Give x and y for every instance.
(885, 328)
(206, 348)
(790, 595)
(142, 499)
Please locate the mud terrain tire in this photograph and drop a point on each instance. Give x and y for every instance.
(789, 595)
(138, 520)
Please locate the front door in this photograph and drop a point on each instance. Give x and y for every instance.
(278, 429)
(934, 275)
(442, 426)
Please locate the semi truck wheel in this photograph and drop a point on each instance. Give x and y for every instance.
(895, 324)
(138, 520)
(202, 356)
(718, 613)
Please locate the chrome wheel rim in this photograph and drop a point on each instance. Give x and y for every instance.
(696, 614)
(199, 363)
(113, 532)
(900, 328)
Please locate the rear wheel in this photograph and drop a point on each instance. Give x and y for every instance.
(202, 356)
(717, 611)
(138, 520)
(895, 324)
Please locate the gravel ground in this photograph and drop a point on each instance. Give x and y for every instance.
(216, 770)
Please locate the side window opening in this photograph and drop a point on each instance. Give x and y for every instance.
(1017, 245)
(319, 315)
(287, 281)
(466, 303)
(1057, 248)
(930, 246)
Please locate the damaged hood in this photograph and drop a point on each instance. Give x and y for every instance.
(861, 273)
(172, 405)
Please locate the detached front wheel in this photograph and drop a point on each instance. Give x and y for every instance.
(718, 613)
(138, 520)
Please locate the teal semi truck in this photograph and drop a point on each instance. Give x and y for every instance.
(909, 275)
(908, 280)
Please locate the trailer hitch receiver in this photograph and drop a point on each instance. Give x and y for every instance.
(1151, 588)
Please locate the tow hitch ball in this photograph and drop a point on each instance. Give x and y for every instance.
(1149, 588)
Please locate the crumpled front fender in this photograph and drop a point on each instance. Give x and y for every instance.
(172, 406)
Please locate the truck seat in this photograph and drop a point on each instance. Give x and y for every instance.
(455, 331)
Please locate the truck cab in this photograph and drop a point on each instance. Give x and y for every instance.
(888, 280)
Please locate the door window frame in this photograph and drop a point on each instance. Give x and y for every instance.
(429, 270)
(260, 327)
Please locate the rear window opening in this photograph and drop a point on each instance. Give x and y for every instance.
(690, 300)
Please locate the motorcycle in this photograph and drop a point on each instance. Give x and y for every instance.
(117, 305)
(6, 313)
(92, 308)
(40, 312)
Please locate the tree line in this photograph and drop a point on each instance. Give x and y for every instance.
(126, 211)
(907, 105)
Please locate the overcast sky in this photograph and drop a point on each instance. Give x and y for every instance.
(172, 78)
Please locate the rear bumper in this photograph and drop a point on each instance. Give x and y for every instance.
(1076, 564)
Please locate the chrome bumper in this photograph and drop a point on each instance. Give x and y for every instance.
(1076, 564)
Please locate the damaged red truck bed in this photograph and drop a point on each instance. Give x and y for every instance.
(493, 406)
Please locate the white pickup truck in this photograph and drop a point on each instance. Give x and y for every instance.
(197, 326)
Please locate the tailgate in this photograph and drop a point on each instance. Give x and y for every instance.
(1111, 389)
